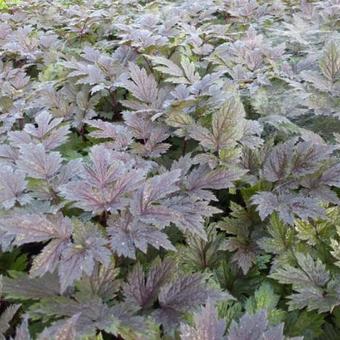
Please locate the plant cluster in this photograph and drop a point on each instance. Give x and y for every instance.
(170, 169)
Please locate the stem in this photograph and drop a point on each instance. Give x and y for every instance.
(21, 123)
(81, 132)
(103, 218)
(81, 33)
(184, 147)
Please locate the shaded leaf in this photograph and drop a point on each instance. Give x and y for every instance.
(207, 326)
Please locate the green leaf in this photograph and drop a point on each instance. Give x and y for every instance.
(14, 260)
(265, 298)
(307, 324)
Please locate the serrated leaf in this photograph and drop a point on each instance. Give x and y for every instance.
(37, 227)
(253, 327)
(128, 234)
(12, 187)
(143, 205)
(330, 62)
(64, 330)
(143, 289)
(6, 317)
(48, 130)
(166, 66)
(207, 326)
(25, 288)
(79, 257)
(227, 127)
(37, 162)
(142, 86)
(22, 331)
(287, 205)
(103, 183)
(180, 296)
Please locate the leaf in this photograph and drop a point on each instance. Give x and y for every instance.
(265, 299)
(61, 330)
(331, 176)
(227, 124)
(252, 134)
(22, 332)
(189, 70)
(87, 73)
(312, 282)
(203, 135)
(104, 183)
(204, 178)
(311, 232)
(153, 190)
(143, 289)
(6, 317)
(199, 254)
(266, 202)
(166, 66)
(48, 130)
(25, 288)
(281, 237)
(30, 228)
(142, 86)
(287, 205)
(253, 327)
(277, 165)
(49, 257)
(78, 258)
(12, 187)
(207, 326)
(37, 163)
(227, 127)
(311, 272)
(330, 62)
(308, 157)
(189, 214)
(128, 234)
(117, 132)
(336, 251)
(178, 297)
(308, 324)
(92, 313)
(314, 299)
(103, 283)
(245, 254)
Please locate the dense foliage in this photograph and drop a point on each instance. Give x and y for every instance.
(170, 169)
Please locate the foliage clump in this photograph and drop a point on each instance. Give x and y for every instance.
(169, 169)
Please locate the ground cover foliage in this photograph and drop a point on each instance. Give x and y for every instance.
(170, 170)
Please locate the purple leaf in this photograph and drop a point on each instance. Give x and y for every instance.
(22, 331)
(308, 157)
(29, 228)
(254, 327)
(143, 289)
(156, 188)
(180, 296)
(204, 178)
(12, 187)
(207, 326)
(127, 234)
(80, 256)
(61, 330)
(142, 86)
(104, 183)
(48, 130)
(37, 163)
(277, 165)
(266, 202)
